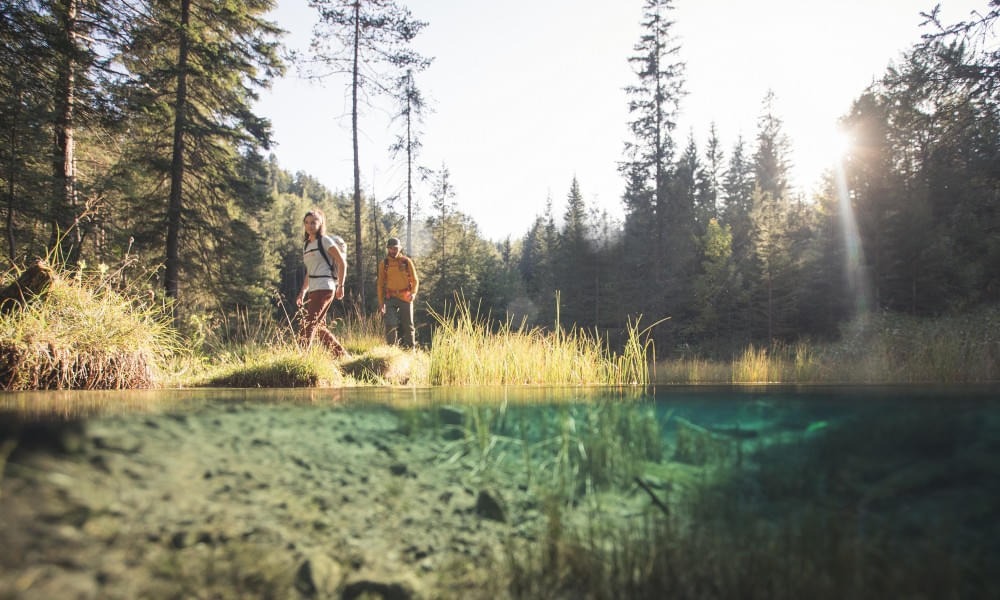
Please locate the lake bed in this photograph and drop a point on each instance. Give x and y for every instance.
(500, 492)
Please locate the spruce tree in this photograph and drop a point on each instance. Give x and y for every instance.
(574, 265)
(771, 159)
(411, 113)
(653, 105)
(708, 181)
(197, 67)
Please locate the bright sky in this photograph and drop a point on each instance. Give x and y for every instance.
(528, 93)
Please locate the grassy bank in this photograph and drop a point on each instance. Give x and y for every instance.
(879, 348)
(83, 332)
(86, 332)
(467, 350)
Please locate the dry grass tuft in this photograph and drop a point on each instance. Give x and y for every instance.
(84, 333)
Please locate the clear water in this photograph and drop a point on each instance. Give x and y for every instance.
(721, 492)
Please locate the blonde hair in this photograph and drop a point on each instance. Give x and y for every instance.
(320, 229)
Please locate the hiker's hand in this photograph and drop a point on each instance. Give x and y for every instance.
(300, 299)
(339, 294)
(381, 308)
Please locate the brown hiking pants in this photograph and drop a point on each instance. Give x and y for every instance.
(314, 321)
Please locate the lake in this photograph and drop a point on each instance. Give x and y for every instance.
(700, 492)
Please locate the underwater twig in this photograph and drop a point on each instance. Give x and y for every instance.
(5, 450)
(659, 504)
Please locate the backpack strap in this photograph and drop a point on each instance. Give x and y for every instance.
(322, 251)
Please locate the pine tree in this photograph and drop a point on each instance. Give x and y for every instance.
(714, 287)
(532, 260)
(771, 290)
(58, 50)
(653, 105)
(443, 203)
(26, 84)
(197, 67)
(574, 264)
(684, 190)
(770, 161)
(708, 182)
(411, 112)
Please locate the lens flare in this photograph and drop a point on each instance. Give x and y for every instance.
(857, 279)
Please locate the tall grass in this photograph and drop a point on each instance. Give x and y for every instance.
(85, 331)
(468, 350)
(881, 348)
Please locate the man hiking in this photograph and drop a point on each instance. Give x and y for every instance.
(397, 287)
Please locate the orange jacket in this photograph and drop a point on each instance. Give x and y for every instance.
(397, 277)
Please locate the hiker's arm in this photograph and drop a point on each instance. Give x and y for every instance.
(301, 298)
(341, 264)
(414, 282)
(380, 286)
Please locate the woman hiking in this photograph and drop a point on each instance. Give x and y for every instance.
(326, 270)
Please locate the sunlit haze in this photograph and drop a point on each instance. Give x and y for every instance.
(528, 94)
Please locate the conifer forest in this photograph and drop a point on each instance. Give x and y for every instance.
(129, 137)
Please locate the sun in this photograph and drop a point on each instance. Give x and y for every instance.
(840, 145)
(819, 151)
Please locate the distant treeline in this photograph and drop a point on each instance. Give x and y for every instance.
(128, 134)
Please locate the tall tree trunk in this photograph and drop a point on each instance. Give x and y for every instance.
(11, 177)
(62, 155)
(358, 250)
(375, 254)
(659, 151)
(770, 309)
(177, 161)
(409, 178)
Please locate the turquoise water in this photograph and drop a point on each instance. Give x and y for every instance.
(708, 492)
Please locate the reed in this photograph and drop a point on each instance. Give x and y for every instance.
(883, 348)
(754, 366)
(468, 349)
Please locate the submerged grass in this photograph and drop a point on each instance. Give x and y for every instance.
(84, 332)
(882, 348)
(466, 350)
(826, 512)
(842, 513)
